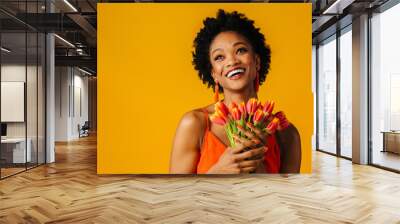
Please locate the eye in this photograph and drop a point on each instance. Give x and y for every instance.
(242, 50)
(218, 58)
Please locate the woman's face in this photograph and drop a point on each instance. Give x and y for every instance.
(233, 60)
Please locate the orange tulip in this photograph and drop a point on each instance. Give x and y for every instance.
(268, 107)
(233, 105)
(258, 116)
(236, 114)
(283, 121)
(272, 126)
(242, 109)
(220, 106)
(222, 115)
(215, 118)
(252, 106)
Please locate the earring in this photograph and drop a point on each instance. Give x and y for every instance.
(256, 84)
(216, 92)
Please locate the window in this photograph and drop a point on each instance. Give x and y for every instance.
(327, 95)
(346, 93)
(385, 88)
(22, 77)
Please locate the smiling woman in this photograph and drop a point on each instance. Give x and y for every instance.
(232, 57)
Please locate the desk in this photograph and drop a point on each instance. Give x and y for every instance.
(391, 141)
(16, 147)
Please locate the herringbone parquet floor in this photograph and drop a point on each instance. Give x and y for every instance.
(70, 191)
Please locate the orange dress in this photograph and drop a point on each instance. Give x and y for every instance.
(212, 148)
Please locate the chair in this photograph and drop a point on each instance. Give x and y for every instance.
(84, 130)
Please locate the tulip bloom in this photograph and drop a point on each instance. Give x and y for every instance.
(236, 114)
(252, 106)
(272, 126)
(283, 121)
(269, 107)
(216, 118)
(250, 113)
(221, 107)
(220, 114)
(258, 117)
(233, 105)
(242, 109)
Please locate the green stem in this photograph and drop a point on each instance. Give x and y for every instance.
(228, 131)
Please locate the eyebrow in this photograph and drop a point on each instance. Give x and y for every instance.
(235, 44)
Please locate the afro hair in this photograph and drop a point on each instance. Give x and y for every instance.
(226, 21)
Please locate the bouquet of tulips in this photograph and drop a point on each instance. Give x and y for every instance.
(259, 115)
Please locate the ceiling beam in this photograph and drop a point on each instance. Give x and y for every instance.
(83, 61)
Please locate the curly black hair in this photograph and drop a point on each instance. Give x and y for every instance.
(226, 21)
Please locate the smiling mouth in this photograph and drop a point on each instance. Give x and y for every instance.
(235, 72)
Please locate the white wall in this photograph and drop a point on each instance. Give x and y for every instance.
(16, 73)
(62, 80)
(33, 127)
(71, 94)
(80, 111)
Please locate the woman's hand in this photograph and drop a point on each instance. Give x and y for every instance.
(243, 158)
(254, 134)
(258, 137)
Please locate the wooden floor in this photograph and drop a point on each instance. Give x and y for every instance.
(10, 171)
(70, 191)
(387, 159)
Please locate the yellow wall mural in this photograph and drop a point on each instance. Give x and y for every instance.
(146, 80)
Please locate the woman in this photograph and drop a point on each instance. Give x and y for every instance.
(231, 56)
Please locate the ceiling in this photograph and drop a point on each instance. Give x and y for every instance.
(76, 22)
(72, 20)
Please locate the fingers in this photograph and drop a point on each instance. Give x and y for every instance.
(250, 163)
(257, 131)
(246, 166)
(260, 135)
(241, 143)
(249, 134)
(237, 169)
(257, 152)
(247, 169)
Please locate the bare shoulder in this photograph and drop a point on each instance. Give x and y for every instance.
(195, 119)
(186, 145)
(192, 120)
(290, 145)
(291, 131)
(290, 136)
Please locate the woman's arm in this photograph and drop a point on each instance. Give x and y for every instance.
(186, 146)
(289, 142)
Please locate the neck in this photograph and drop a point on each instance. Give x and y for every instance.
(238, 97)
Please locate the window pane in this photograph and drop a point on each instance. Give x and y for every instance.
(345, 94)
(327, 96)
(386, 88)
(41, 98)
(31, 100)
(15, 150)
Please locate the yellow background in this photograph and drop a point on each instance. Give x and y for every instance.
(146, 81)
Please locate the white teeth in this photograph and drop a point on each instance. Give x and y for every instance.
(234, 72)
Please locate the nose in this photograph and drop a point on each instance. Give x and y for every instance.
(232, 60)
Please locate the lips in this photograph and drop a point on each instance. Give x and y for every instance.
(235, 73)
